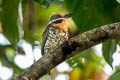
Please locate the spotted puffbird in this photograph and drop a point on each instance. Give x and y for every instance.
(56, 32)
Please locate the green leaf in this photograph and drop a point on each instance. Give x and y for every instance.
(88, 55)
(0, 9)
(45, 3)
(10, 20)
(89, 14)
(10, 54)
(108, 48)
(115, 76)
(46, 77)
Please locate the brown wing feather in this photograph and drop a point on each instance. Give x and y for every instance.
(44, 38)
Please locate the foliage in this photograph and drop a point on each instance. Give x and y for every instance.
(109, 47)
(115, 76)
(85, 64)
(87, 15)
(90, 14)
(46, 77)
(10, 20)
(46, 3)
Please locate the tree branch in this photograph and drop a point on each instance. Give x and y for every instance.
(68, 49)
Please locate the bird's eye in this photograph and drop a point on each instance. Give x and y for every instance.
(59, 16)
(55, 17)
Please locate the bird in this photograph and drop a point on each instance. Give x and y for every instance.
(56, 33)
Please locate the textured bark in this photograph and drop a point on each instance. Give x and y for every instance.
(70, 48)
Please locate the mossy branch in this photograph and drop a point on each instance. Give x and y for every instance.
(68, 49)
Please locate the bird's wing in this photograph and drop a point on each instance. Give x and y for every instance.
(44, 38)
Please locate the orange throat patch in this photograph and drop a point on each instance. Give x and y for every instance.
(63, 25)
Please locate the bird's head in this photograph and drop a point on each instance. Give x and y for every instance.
(60, 20)
(60, 15)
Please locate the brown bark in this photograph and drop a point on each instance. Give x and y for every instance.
(70, 48)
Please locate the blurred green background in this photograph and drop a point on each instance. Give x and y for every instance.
(23, 21)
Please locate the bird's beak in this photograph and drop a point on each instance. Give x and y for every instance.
(68, 15)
